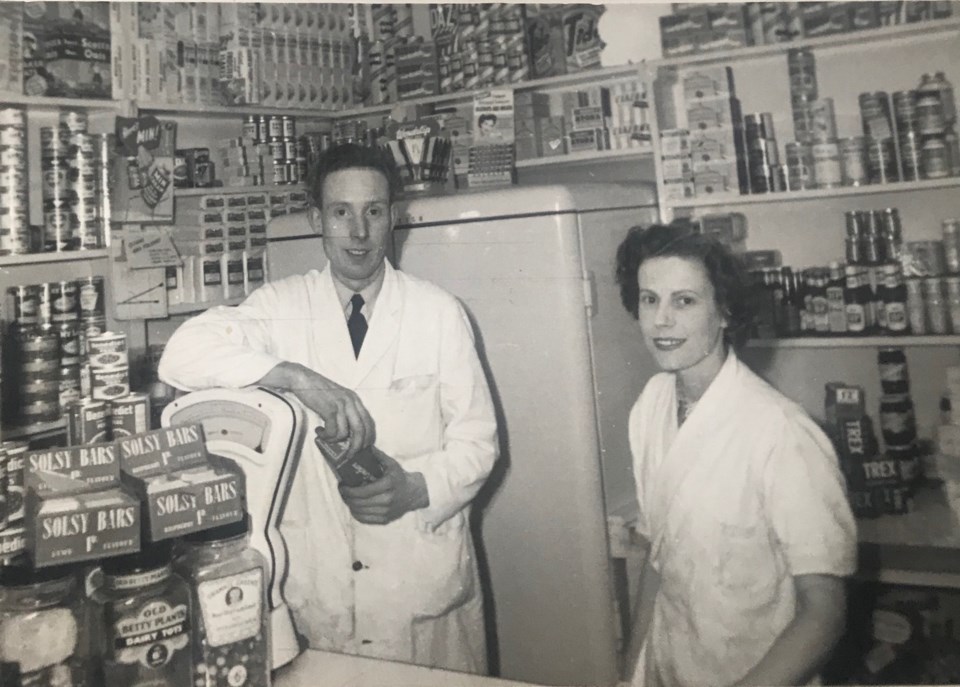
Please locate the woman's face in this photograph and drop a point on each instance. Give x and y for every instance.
(679, 318)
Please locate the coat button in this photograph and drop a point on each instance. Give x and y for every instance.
(357, 565)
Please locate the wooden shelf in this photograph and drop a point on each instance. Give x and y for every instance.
(188, 308)
(850, 39)
(33, 431)
(65, 256)
(585, 156)
(75, 103)
(231, 110)
(231, 190)
(816, 194)
(607, 74)
(856, 341)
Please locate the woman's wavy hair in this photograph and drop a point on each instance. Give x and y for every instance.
(724, 269)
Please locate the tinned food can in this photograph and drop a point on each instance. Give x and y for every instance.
(15, 451)
(827, 165)
(107, 350)
(38, 342)
(25, 304)
(897, 419)
(4, 502)
(63, 301)
(130, 415)
(88, 422)
(91, 297)
(109, 383)
(853, 159)
(69, 386)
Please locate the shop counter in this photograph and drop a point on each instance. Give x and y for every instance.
(327, 669)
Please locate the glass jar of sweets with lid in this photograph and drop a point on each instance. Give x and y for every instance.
(142, 620)
(43, 631)
(228, 581)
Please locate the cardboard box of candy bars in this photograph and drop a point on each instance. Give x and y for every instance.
(183, 489)
(77, 508)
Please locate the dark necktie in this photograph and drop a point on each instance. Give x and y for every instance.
(357, 324)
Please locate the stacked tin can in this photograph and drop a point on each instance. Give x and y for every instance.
(765, 174)
(73, 164)
(898, 423)
(877, 119)
(935, 122)
(816, 158)
(14, 207)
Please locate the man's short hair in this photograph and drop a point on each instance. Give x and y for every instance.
(352, 156)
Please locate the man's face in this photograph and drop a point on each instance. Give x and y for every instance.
(356, 220)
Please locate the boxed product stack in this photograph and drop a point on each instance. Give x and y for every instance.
(948, 431)
(181, 487)
(712, 123)
(282, 54)
(13, 540)
(66, 49)
(381, 29)
(694, 28)
(876, 484)
(11, 53)
(77, 509)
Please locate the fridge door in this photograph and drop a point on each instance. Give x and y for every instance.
(521, 279)
(621, 362)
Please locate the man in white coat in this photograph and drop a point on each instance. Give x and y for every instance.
(386, 569)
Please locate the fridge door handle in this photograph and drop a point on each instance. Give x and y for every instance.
(589, 293)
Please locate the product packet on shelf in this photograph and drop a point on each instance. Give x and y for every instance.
(182, 488)
(144, 167)
(77, 509)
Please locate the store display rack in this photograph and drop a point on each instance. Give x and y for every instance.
(817, 193)
(849, 39)
(232, 190)
(37, 430)
(198, 110)
(585, 156)
(41, 102)
(856, 341)
(66, 256)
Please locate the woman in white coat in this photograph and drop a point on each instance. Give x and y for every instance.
(741, 499)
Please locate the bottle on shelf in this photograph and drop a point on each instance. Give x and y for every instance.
(836, 300)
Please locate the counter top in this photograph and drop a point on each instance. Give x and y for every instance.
(326, 669)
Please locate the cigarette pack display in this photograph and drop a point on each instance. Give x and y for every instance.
(66, 49)
(82, 526)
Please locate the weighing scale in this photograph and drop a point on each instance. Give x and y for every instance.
(263, 431)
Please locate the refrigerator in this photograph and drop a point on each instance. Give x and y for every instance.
(534, 268)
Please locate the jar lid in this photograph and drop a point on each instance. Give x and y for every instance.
(150, 557)
(23, 575)
(231, 531)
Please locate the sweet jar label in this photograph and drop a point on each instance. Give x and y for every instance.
(231, 607)
(152, 635)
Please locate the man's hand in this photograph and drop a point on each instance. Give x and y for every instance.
(391, 496)
(343, 413)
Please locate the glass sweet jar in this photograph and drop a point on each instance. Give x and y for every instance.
(228, 583)
(142, 620)
(43, 616)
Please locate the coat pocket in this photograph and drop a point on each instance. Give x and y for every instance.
(746, 562)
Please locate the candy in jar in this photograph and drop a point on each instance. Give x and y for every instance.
(143, 621)
(227, 579)
(42, 634)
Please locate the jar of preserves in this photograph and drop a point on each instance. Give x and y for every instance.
(894, 378)
(898, 420)
(228, 583)
(142, 618)
(43, 638)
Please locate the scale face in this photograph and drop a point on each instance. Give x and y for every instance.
(263, 432)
